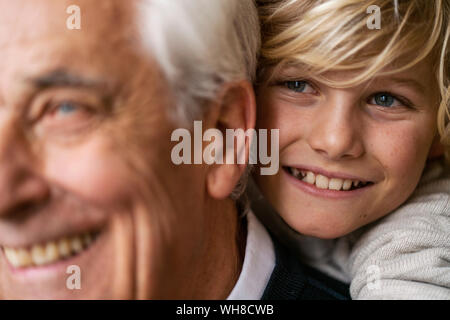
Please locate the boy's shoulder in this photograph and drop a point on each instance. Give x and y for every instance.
(428, 206)
(411, 244)
(427, 209)
(430, 199)
(435, 180)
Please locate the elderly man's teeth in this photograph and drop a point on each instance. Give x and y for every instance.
(18, 257)
(38, 255)
(51, 251)
(76, 244)
(64, 248)
(323, 182)
(87, 239)
(42, 254)
(23, 257)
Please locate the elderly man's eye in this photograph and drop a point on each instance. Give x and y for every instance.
(66, 108)
(65, 117)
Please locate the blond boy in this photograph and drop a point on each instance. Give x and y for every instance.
(364, 189)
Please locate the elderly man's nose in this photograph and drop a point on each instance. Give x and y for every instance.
(335, 135)
(19, 186)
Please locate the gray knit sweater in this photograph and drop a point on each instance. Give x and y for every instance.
(405, 255)
(409, 250)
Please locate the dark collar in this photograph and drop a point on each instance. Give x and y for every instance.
(292, 280)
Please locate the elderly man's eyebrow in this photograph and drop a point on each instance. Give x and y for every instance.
(64, 78)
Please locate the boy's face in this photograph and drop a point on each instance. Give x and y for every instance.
(348, 156)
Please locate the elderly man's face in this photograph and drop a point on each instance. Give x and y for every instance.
(85, 171)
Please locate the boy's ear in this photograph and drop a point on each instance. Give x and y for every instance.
(236, 109)
(437, 148)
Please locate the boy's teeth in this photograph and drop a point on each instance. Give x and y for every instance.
(347, 184)
(41, 254)
(295, 172)
(335, 184)
(323, 182)
(310, 177)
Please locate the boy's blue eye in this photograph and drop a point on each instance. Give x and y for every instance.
(300, 86)
(385, 100)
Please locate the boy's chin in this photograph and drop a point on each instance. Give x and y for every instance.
(321, 227)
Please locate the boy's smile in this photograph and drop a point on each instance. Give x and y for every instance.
(349, 155)
(321, 183)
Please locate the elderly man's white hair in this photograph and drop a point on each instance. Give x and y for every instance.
(200, 45)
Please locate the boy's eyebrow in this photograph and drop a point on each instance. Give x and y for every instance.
(409, 82)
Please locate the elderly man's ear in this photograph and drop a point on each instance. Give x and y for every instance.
(235, 109)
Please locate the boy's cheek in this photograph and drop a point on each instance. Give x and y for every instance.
(402, 154)
(292, 122)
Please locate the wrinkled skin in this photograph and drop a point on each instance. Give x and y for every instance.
(103, 163)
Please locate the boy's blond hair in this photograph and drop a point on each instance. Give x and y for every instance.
(323, 35)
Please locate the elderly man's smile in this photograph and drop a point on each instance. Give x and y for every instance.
(49, 252)
(86, 177)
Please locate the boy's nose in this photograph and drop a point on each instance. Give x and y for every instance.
(335, 135)
(20, 188)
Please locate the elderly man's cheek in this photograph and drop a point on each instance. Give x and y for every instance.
(93, 170)
(95, 174)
